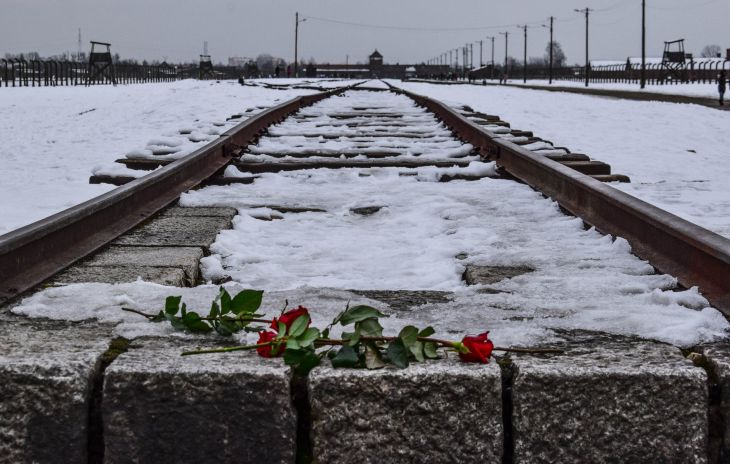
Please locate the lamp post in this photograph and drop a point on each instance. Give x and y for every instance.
(481, 53)
(506, 50)
(524, 63)
(643, 44)
(587, 12)
(296, 42)
(492, 38)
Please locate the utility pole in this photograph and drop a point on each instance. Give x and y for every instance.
(451, 59)
(643, 44)
(492, 38)
(471, 60)
(481, 53)
(296, 43)
(552, 46)
(78, 54)
(524, 63)
(506, 49)
(587, 12)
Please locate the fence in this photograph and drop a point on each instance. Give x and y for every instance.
(701, 72)
(48, 73)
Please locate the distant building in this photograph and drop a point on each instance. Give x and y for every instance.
(376, 68)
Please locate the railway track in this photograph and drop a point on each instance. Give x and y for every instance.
(367, 135)
(370, 191)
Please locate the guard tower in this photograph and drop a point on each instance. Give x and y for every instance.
(101, 66)
(376, 59)
(674, 60)
(205, 70)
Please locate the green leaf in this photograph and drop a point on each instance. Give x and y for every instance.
(172, 304)
(301, 360)
(417, 350)
(427, 332)
(194, 324)
(214, 311)
(409, 336)
(430, 350)
(292, 344)
(369, 328)
(326, 333)
(175, 322)
(346, 357)
(281, 333)
(299, 325)
(397, 353)
(225, 297)
(222, 330)
(247, 301)
(183, 310)
(159, 317)
(226, 326)
(308, 337)
(359, 313)
(373, 358)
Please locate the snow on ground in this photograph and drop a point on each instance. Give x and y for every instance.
(423, 236)
(692, 90)
(52, 137)
(677, 155)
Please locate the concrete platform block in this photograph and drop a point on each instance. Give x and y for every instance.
(185, 258)
(609, 399)
(443, 411)
(47, 371)
(185, 231)
(164, 408)
(106, 274)
(718, 356)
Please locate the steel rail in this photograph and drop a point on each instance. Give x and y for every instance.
(34, 253)
(693, 254)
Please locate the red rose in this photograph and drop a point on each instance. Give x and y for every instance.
(480, 348)
(289, 317)
(267, 351)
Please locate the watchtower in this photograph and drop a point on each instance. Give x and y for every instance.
(674, 60)
(205, 70)
(101, 65)
(376, 59)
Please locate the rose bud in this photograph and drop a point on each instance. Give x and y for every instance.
(289, 317)
(479, 346)
(268, 350)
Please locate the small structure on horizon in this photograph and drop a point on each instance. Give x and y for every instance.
(101, 65)
(205, 69)
(376, 68)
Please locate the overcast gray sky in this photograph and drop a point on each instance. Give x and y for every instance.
(410, 30)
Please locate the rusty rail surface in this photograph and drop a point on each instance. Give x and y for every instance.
(693, 254)
(33, 253)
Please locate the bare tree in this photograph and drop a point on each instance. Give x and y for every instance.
(559, 58)
(711, 51)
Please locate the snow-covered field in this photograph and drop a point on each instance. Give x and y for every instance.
(691, 90)
(419, 235)
(677, 155)
(52, 137)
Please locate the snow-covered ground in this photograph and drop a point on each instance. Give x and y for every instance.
(677, 155)
(691, 90)
(422, 237)
(52, 137)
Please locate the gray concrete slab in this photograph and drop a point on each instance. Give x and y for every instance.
(161, 407)
(115, 274)
(47, 370)
(176, 231)
(718, 357)
(609, 399)
(435, 412)
(185, 258)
